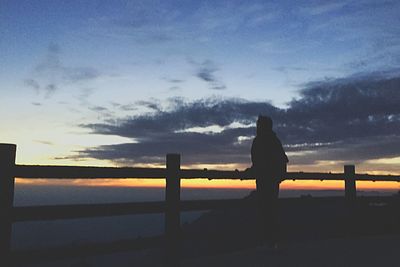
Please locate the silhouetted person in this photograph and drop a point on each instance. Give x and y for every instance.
(269, 165)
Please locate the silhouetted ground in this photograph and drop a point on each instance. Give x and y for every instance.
(300, 219)
(313, 232)
(342, 252)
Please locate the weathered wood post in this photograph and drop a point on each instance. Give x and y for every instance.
(7, 163)
(350, 183)
(172, 209)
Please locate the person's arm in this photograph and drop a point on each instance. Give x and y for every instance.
(282, 151)
(253, 152)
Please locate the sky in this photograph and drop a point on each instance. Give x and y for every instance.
(122, 83)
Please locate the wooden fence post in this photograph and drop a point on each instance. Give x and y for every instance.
(350, 183)
(7, 163)
(172, 209)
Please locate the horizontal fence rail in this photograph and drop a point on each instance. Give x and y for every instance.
(72, 172)
(171, 207)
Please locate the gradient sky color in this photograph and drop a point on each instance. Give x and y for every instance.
(68, 64)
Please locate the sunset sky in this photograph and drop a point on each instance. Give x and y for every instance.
(122, 83)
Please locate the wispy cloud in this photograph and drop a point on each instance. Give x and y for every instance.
(51, 74)
(175, 84)
(206, 71)
(32, 84)
(173, 80)
(50, 90)
(227, 17)
(323, 7)
(165, 22)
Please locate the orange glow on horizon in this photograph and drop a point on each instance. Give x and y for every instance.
(205, 183)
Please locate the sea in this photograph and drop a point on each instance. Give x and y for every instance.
(45, 234)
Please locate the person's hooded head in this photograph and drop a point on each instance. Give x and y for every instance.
(264, 125)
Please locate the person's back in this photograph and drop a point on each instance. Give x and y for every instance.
(267, 155)
(268, 164)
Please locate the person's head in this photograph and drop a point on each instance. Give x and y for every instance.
(264, 124)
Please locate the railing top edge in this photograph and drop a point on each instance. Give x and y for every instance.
(87, 172)
(7, 145)
(84, 167)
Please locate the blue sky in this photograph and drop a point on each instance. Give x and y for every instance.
(69, 64)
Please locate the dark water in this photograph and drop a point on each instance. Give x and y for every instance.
(43, 234)
(27, 195)
(76, 231)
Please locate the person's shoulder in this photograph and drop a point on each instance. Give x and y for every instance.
(275, 137)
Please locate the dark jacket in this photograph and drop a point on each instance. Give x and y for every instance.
(267, 155)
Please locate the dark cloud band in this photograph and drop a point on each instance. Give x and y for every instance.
(352, 119)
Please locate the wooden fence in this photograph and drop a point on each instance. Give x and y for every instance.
(172, 206)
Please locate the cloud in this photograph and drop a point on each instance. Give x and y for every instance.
(206, 72)
(323, 8)
(174, 81)
(358, 150)
(174, 88)
(50, 90)
(354, 119)
(84, 95)
(357, 119)
(150, 22)
(152, 105)
(231, 16)
(77, 74)
(51, 74)
(163, 131)
(98, 109)
(52, 65)
(376, 37)
(166, 23)
(195, 148)
(44, 142)
(33, 84)
(180, 115)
